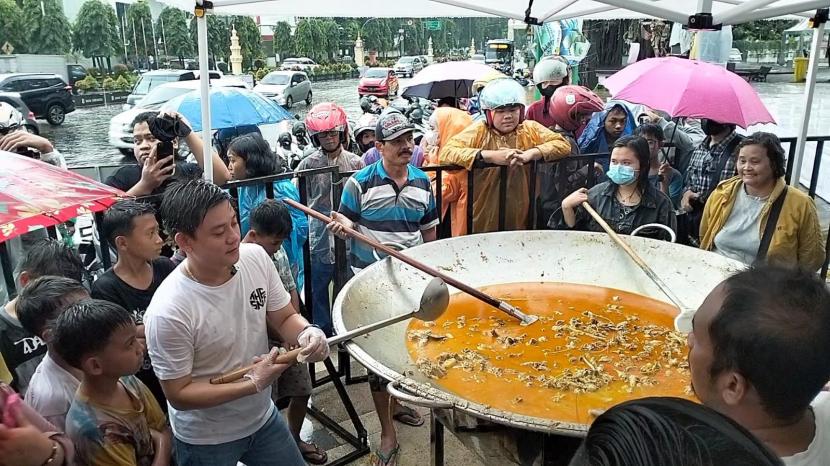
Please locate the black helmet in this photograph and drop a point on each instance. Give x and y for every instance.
(298, 130)
(416, 116)
(285, 140)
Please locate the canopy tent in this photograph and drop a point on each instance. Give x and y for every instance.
(714, 12)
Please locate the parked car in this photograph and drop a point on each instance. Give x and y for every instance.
(478, 58)
(408, 66)
(151, 79)
(286, 87)
(47, 95)
(424, 60)
(298, 64)
(13, 99)
(735, 55)
(381, 82)
(121, 125)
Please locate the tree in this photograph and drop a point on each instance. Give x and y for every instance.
(330, 38)
(219, 36)
(173, 27)
(250, 39)
(282, 39)
(305, 37)
(11, 23)
(378, 35)
(140, 31)
(96, 32)
(47, 29)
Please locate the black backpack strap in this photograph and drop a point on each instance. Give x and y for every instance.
(730, 152)
(769, 228)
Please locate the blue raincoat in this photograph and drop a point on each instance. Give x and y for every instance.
(593, 141)
(252, 196)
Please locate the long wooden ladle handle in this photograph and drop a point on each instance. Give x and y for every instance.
(634, 256)
(497, 303)
(283, 358)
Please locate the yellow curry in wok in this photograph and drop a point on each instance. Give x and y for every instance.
(592, 348)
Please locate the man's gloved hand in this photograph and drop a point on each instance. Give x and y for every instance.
(314, 345)
(265, 372)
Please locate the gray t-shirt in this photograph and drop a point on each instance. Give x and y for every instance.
(740, 236)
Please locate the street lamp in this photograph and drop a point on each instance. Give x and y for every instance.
(400, 33)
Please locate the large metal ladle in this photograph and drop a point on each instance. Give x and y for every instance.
(434, 302)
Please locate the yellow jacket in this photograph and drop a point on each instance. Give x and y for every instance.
(462, 149)
(797, 238)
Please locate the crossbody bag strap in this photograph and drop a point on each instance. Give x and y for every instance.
(769, 228)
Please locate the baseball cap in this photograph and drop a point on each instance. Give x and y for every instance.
(392, 125)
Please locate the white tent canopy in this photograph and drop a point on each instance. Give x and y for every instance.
(543, 10)
(723, 12)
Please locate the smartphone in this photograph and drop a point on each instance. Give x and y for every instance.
(165, 149)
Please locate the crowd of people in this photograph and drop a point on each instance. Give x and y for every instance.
(117, 371)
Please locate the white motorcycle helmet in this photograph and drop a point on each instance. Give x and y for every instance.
(10, 119)
(550, 69)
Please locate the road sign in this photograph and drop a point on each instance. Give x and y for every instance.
(7, 48)
(433, 25)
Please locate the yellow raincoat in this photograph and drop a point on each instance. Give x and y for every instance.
(451, 121)
(462, 149)
(797, 239)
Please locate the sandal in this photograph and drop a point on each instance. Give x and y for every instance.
(389, 459)
(314, 455)
(408, 416)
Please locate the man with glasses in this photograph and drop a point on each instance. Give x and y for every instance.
(661, 174)
(152, 173)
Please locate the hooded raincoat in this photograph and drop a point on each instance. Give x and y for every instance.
(593, 138)
(462, 150)
(451, 121)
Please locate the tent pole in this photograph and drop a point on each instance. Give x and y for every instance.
(204, 86)
(738, 11)
(480, 9)
(577, 14)
(741, 2)
(809, 93)
(774, 11)
(556, 9)
(704, 6)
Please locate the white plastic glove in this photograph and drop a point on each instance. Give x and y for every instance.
(265, 372)
(314, 345)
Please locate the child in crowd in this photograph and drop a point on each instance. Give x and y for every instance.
(132, 229)
(114, 419)
(54, 382)
(270, 225)
(21, 350)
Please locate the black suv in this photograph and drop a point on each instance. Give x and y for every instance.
(47, 95)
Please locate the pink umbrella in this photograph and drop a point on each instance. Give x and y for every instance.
(690, 88)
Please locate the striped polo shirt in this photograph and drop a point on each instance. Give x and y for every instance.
(385, 213)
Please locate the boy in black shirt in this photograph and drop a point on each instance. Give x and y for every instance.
(21, 350)
(131, 228)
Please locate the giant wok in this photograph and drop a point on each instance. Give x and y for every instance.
(389, 287)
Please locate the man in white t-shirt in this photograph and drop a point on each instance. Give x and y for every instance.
(758, 353)
(212, 315)
(53, 385)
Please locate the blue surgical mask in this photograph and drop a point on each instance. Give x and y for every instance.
(622, 174)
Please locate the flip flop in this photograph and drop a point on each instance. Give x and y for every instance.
(408, 416)
(314, 456)
(389, 459)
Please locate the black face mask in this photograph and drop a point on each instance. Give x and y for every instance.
(711, 128)
(547, 91)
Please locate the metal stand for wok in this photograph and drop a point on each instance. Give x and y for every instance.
(538, 448)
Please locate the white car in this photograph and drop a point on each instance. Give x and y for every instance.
(408, 66)
(301, 64)
(286, 87)
(735, 55)
(121, 125)
(478, 58)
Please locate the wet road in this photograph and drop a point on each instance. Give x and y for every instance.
(83, 137)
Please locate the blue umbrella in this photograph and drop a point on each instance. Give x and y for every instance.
(229, 107)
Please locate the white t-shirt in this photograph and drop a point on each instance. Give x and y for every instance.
(51, 391)
(818, 453)
(202, 331)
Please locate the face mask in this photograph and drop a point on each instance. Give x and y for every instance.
(547, 91)
(431, 137)
(622, 175)
(710, 127)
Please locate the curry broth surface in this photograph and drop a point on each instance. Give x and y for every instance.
(515, 368)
